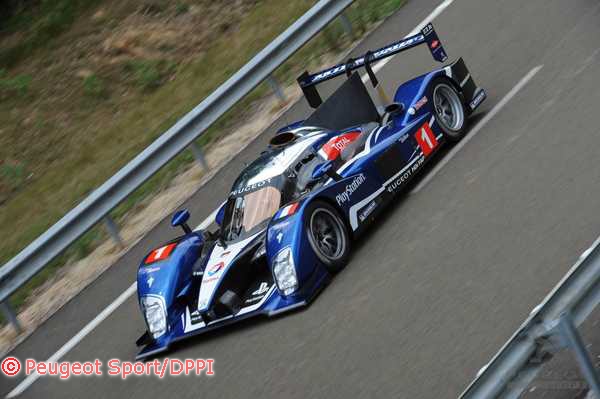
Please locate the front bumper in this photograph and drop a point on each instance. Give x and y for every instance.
(273, 305)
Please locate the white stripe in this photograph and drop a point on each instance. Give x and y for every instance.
(513, 92)
(448, 71)
(464, 82)
(31, 378)
(132, 289)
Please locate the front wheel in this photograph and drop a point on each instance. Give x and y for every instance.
(449, 109)
(328, 235)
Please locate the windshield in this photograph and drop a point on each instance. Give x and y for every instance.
(243, 214)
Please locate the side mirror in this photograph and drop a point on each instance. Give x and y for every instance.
(220, 215)
(326, 168)
(180, 218)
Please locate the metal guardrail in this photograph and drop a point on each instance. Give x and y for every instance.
(97, 205)
(550, 327)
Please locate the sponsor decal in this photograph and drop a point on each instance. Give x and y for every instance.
(398, 46)
(435, 43)
(279, 237)
(264, 287)
(419, 104)
(251, 187)
(345, 195)
(426, 139)
(258, 294)
(150, 281)
(326, 74)
(225, 253)
(159, 254)
(360, 61)
(428, 29)
(367, 211)
(478, 99)
(405, 176)
(215, 269)
(334, 147)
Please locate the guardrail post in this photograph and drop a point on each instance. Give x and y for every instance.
(276, 87)
(113, 230)
(347, 25)
(573, 340)
(11, 316)
(199, 155)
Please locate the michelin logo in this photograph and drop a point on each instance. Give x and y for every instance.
(367, 211)
(478, 99)
(345, 195)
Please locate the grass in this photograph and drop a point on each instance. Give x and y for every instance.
(96, 142)
(150, 74)
(93, 86)
(40, 25)
(17, 85)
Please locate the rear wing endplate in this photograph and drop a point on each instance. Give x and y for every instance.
(427, 35)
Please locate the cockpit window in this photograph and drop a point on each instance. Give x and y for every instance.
(243, 214)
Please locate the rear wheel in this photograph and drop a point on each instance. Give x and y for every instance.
(449, 109)
(328, 235)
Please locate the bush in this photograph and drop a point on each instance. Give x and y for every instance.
(18, 85)
(150, 74)
(93, 86)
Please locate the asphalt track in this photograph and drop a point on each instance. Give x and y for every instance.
(451, 270)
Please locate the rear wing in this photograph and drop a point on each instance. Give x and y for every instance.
(427, 35)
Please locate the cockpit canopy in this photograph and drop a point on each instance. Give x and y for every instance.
(280, 175)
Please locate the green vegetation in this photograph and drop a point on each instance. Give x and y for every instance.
(17, 85)
(65, 150)
(93, 86)
(150, 74)
(40, 25)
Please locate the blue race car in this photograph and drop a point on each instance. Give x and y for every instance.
(291, 217)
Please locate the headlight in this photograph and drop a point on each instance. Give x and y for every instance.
(285, 271)
(156, 315)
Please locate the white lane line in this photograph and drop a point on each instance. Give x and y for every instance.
(209, 220)
(433, 15)
(132, 289)
(497, 108)
(31, 378)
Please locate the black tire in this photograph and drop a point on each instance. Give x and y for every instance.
(328, 235)
(448, 108)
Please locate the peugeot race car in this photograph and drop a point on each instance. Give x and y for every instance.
(288, 223)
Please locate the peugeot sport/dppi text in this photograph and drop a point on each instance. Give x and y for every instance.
(292, 214)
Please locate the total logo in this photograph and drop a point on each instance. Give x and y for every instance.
(216, 268)
(334, 147)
